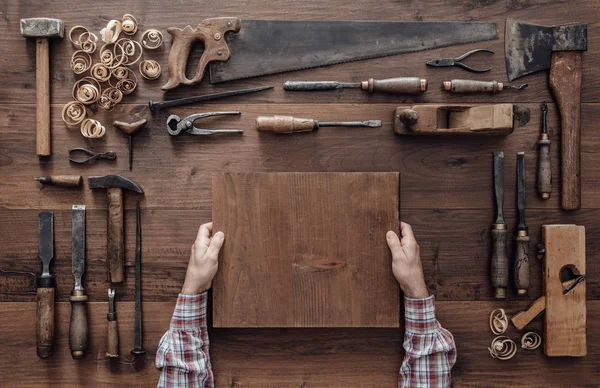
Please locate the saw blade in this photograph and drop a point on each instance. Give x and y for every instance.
(78, 244)
(275, 46)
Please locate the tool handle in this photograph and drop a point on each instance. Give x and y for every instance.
(521, 268)
(284, 124)
(112, 344)
(470, 86)
(45, 319)
(115, 247)
(78, 329)
(308, 86)
(62, 180)
(565, 83)
(522, 318)
(399, 85)
(42, 97)
(499, 263)
(544, 167)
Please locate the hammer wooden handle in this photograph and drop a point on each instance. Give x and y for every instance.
(45, 321)
(42, 74)
(284, 124)
(544, 167)
(521, 268)
(115, 241)
(78, 330)
(499, 261)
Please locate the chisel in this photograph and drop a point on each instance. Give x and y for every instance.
(112, 337)
(521, 267)
(78, 330)
(499, 254)
(61, 180)
(544, 164)
(471, 86)
(45, 287)
(138, 349)
(400, 85)
(289, 124)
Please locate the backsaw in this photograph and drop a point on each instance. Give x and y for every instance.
(260, 47)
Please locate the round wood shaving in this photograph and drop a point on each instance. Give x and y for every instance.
(131, 49)
(110, 97)
(73, 113)
(87, 42)
(152, 39)
(498, 321)
(150, 69)
(531, 340)
(100, 72)
(120, 72)
(92, 129)
(77, 42)
(127, 85)
(110, 56)
(87, 90)
(129, 24)
(503, 348)
(80, 62)
(110, 33)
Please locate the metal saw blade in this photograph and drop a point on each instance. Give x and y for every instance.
(275, 46)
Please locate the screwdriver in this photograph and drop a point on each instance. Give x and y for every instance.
(499, 232)
(289, 124)
(400, 85)
(544, 164)
(112, 345)
(469, 86)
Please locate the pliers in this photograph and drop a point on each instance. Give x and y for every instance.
(175, 124)
(445, 62)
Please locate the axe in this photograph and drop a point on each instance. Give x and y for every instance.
(530, 48)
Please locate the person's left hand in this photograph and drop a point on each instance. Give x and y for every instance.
(204, 261)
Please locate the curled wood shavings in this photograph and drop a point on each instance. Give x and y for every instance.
(110, 33)
(127, 85)
(87, 90)
(150, 69)
(120, 72)
(100, 72)
(131, 49)
(110, 56)
(129, 24)
(92, 129)
(531, 340)
(77, 41)
(88, 42)
(152, 39)
(498, 321)
(503, 348)
(110, 97)
(73, 113)
(80, 62)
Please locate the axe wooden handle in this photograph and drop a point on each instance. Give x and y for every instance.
(565, 83)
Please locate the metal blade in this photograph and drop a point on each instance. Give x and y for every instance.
(274, 46)
(78, 245)
(46, 243)
(521, 190)
(138, 340)
(499, 185)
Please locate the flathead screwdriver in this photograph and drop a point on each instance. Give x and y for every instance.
(399, 85)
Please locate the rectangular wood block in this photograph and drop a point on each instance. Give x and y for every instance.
(306, 249)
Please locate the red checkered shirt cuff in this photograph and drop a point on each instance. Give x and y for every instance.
(190, 312)
(419, 315)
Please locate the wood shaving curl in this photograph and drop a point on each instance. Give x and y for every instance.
(110, 33)
(152, 39)
(87, 90)
(100, 72)
(73, 113)
(110, 97)
(86, 40)
(129, 24)
(150, 69)
(498, 321)
(80, 62)
(109, 56)
(92, 129)
(531, 340)
(503, 348)
(127, 85)
(131, 49)
(121, 72)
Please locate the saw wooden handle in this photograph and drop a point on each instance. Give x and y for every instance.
(499, 262)
(544, 167)
(45, 321)
(115, 245)
(211, 32)
(284, 124)
(565, 83)
(78, 329)
(521, 268)
(42, 97)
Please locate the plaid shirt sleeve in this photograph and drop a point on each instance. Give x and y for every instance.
(430, 349)
(182, 354)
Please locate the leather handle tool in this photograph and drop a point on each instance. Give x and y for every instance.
(61, 180)
(138, 349)
(130, 129)
(110, 155)
(446, 62)
(400, 85)
(289, 124)
(464, 86)
(521, 267)
(112, 335)
(499, 233)
(175, 124)
(544, 164)
(45, 287)
(78, 329)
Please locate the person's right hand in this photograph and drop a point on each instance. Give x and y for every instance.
(406, 262)
(204, 261)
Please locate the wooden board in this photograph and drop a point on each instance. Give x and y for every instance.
(306, 250)
(565, 319)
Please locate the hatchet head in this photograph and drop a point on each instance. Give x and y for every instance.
(528, 47)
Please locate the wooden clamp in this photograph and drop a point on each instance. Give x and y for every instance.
(564, 300)
(496, 119)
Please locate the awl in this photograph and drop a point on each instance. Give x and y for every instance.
(499, 253)
(45, 287)
(138, 349)
(289, 124)
(78, 329)
(400, 85)
(544, 163)
(521, 267)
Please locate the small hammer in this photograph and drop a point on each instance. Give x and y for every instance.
(42, 29)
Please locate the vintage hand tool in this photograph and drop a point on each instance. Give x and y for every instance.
(61, 180)
(446, 62)
(464, 86)
(42, 29)
(544, 164)
(112, 337)
(130, 129)
(45, 287)
(115, 246)
(521, 267)
(138, 348)
(400, 85)
(259, 47)
(110, 155)
(499, 233)
(175, 124)
(530, 48)
(289, 124)
(78, 330)
(157, 106)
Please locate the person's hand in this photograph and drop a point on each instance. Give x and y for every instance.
(204, 261)
(406, 262)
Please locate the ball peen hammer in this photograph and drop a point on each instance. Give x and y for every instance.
(42, 29)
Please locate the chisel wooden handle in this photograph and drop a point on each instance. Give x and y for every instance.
(42, 97)
(284, 124)
(521, 268)
(61, 180)
(544, 167)
(78, 329)
(471, 86)
(500, 267)
(115, 240)
(112, 344)
(400, 85)
(45, 317)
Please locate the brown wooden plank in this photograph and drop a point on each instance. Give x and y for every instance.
(306, 249)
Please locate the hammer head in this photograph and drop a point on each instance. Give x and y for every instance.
(528, 47)
(109, 181)
(42, 28)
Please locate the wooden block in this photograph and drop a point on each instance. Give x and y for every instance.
(565, 320)
(305, 250)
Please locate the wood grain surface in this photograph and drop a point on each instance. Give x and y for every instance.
(446, 195)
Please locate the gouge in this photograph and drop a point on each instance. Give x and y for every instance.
(521, 267)
(61, 180)
(112, 336)
(289, 124)
(470, 86)
(78, 330)
(400, 85)
(544, 164)
(499, 233)
(45, 287)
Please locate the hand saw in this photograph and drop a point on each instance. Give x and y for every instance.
(259, 47)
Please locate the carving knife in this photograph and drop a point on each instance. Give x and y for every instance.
(521, 268)
(45, 287)
(78, 330)
(499, 255)
(138, 348)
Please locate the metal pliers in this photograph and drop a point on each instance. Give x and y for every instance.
(175, 124)
(445, 62)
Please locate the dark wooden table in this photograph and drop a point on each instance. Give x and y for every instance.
(446, 196)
